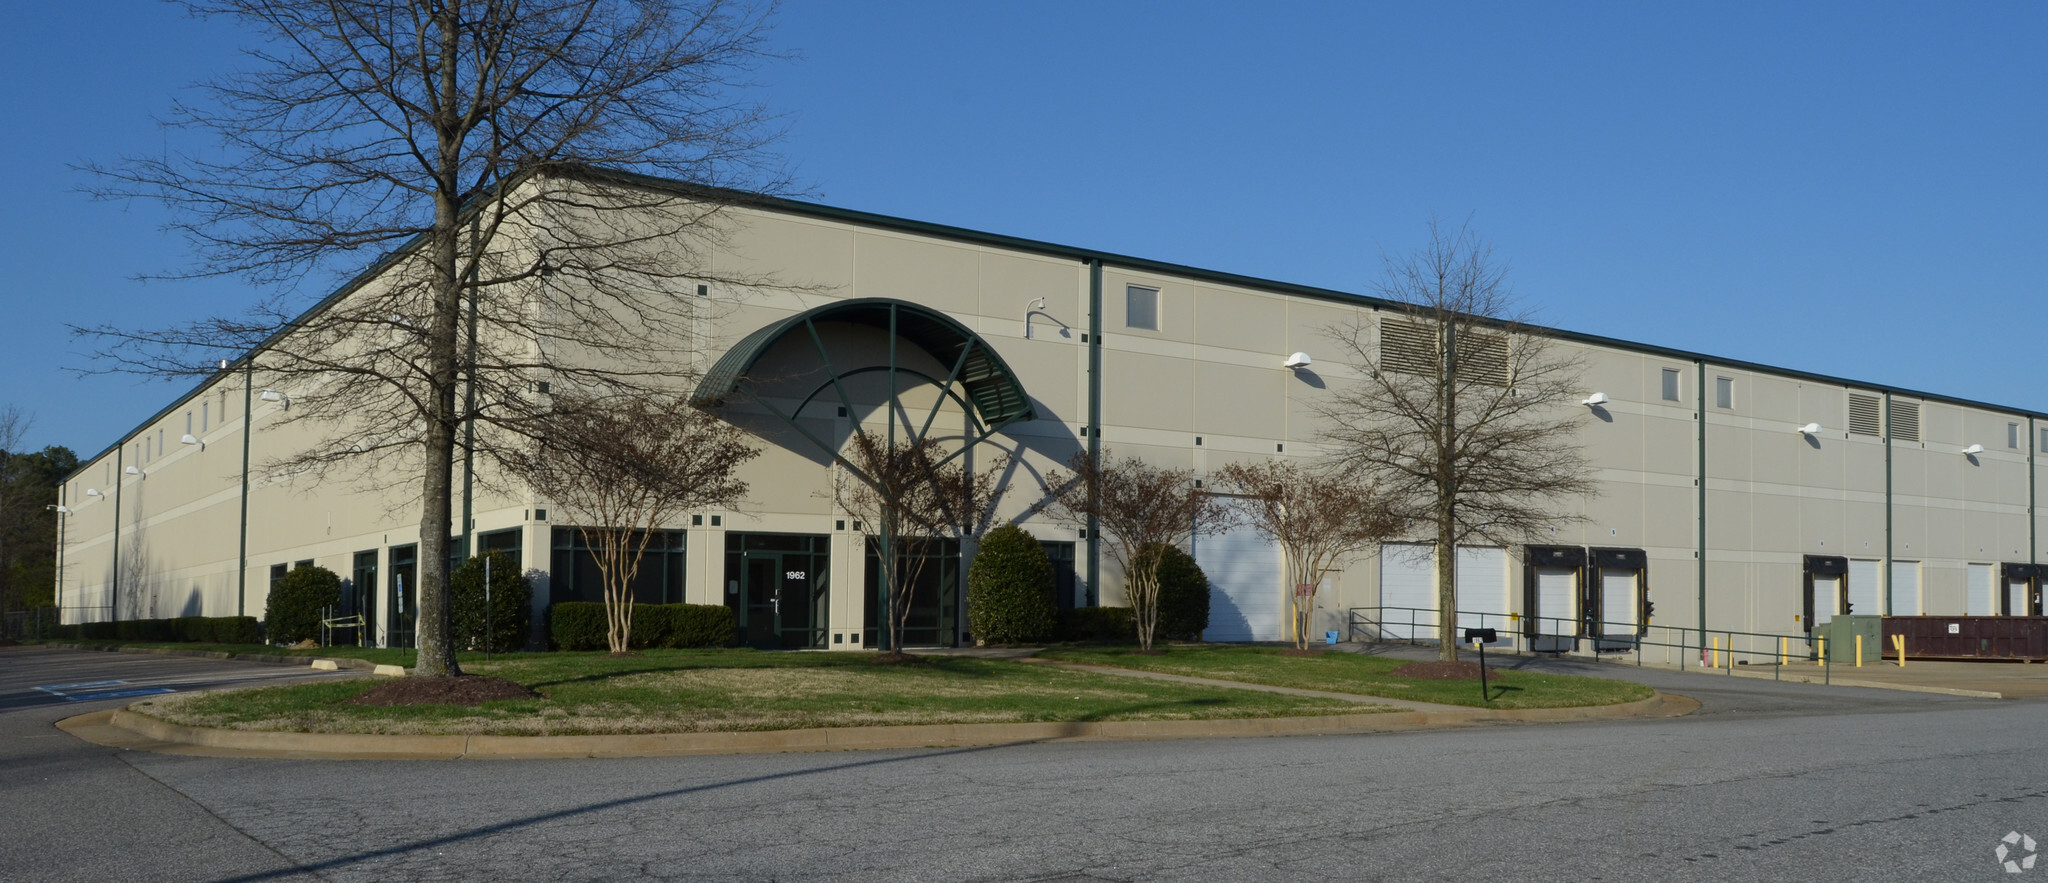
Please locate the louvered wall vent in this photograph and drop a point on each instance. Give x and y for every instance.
(1413, 347)
(1863, 414)
(1905, 421)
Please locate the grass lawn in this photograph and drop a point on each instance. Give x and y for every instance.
(684, 691)
(1339, 672)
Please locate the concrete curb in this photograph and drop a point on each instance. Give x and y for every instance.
(265, 658)
(124, 728)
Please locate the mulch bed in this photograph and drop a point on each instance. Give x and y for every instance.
(1439, 671)
(463, 690)
(895, 657)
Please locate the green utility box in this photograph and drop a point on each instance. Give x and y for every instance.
(1841, 633)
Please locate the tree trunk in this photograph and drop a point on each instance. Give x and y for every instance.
(1446, 582)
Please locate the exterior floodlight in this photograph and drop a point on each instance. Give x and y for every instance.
(1598, 398)
(1974, 449)
(1298, 360)
(190, 439)
(1809, 429)
(223, 364)
(271, 395)
(135, 471)
(62, 510)
(93, 492)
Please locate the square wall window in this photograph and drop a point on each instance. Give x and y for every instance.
(1141, 307)
(1671, 384)
(1724, 392)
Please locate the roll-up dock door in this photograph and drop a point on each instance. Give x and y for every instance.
(1621, 609)
(1865, 589)
(1553, 581)
(2022, 595)
(1826, 589)
(1408, 590)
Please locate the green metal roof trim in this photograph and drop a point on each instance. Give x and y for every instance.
(990, 385)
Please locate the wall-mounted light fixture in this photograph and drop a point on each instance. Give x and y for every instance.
(1595, 400)
(93, 492)
(1298, 360)
(190, 439)
(60, 510)
(136, 471)
(271, 395)
(1974, 450)
(1808, 429)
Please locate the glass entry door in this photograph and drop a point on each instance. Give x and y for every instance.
(778, 588)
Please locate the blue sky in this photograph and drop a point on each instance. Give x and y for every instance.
(1858, 189)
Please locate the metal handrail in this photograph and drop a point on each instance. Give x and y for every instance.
(1716, 648)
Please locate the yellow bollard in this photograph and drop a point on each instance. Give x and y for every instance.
(1899, 641)
(1823, 651)
(1781, 651)
(1714, 654)
(1859, 651)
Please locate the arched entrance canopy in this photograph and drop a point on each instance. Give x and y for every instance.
(988, 389)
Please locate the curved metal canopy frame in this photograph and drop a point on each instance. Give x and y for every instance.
(988, 391)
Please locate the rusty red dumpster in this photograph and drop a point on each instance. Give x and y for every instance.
(1968, 637)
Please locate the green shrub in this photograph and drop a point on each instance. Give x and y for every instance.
(1009, 589)
(581, 625)
(510, 610)
(292, 614)
(1113, 624)
(1183, 597)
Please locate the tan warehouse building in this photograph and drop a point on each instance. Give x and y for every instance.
(1733, 496)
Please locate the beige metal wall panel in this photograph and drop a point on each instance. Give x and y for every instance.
(1146, 392)
(1239, 401)
(788, 251)
(1241, 320)
(925, 271)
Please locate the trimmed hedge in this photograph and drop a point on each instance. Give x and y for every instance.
(183, 629)
(1183, 598)
(292, 613)
(581, 625)
(1113, 624)
(511, 604)
(1009, 589)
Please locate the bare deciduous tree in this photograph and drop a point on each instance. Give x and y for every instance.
(1318, 516)
(914, 498)
(1462, 417)
(457, 144)
(1140, 510)
(622, 469)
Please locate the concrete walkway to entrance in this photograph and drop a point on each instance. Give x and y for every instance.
(1980, 680)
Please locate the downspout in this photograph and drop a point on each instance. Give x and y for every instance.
(1884, 580)
(2032, 446)
(242, 551)
(469, 404)
(63, 500)
(1094, 428)
(120, 471)
(1700, 584)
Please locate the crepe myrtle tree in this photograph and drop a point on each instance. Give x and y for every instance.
(1317, 515)
(505, 167)
(914, 497)
(1140, 510)
(1462, 417)
(621, 469)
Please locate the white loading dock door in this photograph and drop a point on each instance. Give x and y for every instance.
(1407, 590)
(1827, 592)
(1905, 589)
(1864, 584)
(1982, 599)
(1618, 593)
(2016, 590)
(1483, 589)
(1245, 597)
